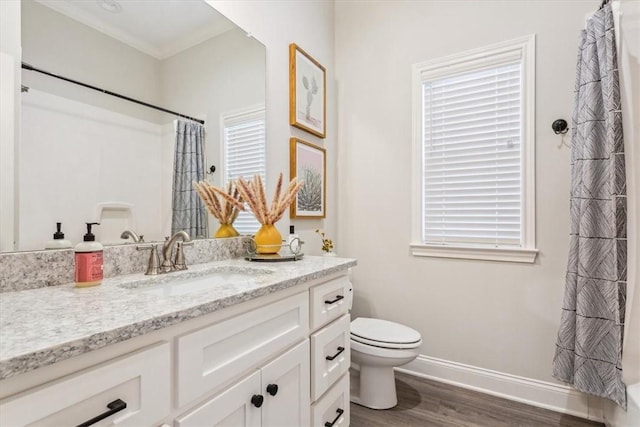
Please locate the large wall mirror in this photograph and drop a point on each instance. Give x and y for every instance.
(86, 155)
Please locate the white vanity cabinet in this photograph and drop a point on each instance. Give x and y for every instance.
(274, 361)
(315, 370)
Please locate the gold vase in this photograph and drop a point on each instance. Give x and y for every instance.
(226, 230)
(268, 240)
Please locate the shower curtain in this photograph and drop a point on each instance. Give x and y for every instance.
(589, 346)
(188, 210)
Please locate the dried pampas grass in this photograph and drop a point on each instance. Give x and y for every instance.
(222, 205)
(253, 193)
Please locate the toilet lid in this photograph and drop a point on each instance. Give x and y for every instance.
(384, 333)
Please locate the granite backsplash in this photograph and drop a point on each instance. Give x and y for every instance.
(37, 269)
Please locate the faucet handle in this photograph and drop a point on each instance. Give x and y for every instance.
(153, 266)
(180, 263)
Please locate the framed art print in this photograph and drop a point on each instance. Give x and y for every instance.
(309, 164)
(307, 92)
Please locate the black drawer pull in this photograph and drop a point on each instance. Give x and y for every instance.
(330, 424)
(272, 389)
(340, 350)
(114, 407)
(338, 298)
(257, 400)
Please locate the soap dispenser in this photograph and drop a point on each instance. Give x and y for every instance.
(88, 259)
(58, 242)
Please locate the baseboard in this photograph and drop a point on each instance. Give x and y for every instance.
(555, 397)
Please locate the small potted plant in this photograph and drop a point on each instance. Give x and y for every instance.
(327, 244)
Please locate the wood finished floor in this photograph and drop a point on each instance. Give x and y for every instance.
(422, 402)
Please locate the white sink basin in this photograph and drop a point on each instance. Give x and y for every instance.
(183, 283)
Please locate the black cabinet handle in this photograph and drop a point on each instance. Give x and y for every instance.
(114, 407)
(335, 420)
(272, 389)
(338, 298)
(340, 350)
(257, 400)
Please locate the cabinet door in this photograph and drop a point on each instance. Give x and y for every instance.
(232, 407)
(141, 380)
(288, 404)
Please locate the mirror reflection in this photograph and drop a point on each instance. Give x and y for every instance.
(88, 156)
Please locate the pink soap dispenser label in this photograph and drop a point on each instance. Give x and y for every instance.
(89, 268)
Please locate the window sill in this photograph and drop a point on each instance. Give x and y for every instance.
(465, 252)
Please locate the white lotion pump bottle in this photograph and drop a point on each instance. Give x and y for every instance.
(58, 242)
(88, 260)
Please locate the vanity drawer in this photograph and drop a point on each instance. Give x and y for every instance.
(329, 301)
(140, 379)
(211, 357)
(333, 407)
(330, 355)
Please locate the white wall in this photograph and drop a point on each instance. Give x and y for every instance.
(492, 315)
(56, 43)
(222, 74)
(310, 25)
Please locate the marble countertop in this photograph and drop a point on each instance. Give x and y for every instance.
(39, 327)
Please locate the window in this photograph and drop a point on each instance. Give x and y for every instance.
(244, 154)
(474, 154)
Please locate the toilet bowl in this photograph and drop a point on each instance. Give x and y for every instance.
(378, 346)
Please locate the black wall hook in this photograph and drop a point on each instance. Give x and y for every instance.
(560, 126)
(212, 169)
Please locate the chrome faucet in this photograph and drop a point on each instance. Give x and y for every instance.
(130, 233)
(167, 249)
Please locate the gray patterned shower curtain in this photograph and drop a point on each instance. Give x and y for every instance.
(189, 213)
(589, 346)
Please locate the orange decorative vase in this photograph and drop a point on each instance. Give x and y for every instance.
(268, 240)
(226, 230)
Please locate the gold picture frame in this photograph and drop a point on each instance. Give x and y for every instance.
(308, 162)
(307, 92)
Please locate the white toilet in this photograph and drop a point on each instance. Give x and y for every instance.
(378, 346)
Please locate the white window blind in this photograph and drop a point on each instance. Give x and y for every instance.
(472, 157)
(244, 140)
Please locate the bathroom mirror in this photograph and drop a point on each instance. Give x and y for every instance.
(89, 156)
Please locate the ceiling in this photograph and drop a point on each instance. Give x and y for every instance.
(160, 28)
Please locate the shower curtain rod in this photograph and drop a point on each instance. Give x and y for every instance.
(108, 92)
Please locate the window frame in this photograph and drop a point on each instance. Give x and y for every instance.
(258, 109)
(524, 48)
